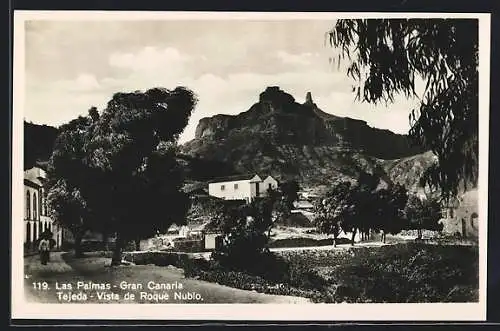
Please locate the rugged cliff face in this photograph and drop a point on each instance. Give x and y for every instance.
(283, 138)
(287, 139)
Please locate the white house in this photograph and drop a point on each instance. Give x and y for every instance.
(267, 184)
(36, 219)
(241, 187)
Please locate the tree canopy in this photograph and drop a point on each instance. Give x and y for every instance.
(364, 206)
(423, 213)
(123, 165)
(387, 56)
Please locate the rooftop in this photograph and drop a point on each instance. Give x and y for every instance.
(35, 176)
(234, 178)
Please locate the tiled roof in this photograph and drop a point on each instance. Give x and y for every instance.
(234, 178)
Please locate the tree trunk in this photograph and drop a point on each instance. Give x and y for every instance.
(78, 243)
(105, 240)
(419, 234)
(384, 237)
(353, 235)
(137, 244)
(334, 240)
(117, 253)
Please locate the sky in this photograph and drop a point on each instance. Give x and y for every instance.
(71, 66)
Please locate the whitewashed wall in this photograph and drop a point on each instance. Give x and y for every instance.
(230, 192)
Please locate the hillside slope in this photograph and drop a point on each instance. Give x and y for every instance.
(283, 138)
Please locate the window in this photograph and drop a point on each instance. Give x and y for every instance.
(270, 186)
(222, 187)
(235, 186)
(28, 232)
(28, 205)
(42, 203)
(35, 215)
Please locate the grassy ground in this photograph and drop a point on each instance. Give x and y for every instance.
(411, 272)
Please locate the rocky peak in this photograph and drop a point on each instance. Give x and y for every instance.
(278, 120)
(309, 100)
(275, 97)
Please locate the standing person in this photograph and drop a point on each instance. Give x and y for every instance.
(44, 250)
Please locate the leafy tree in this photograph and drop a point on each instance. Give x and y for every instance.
(290, 192)
(69, 209)
(388, 211)
(129, 175)
(387, 56)
(361, 204)
(244, 228)
(277, 205)
(133, 146)
(67, 176)
(362, 207)
(282, 200)
(423, 213)
(330, 209)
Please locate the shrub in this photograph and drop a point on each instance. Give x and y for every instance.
(157, 258)
(190, 246)
(244, 244)
(306, 242)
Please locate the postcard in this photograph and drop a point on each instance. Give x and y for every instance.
(250, 166)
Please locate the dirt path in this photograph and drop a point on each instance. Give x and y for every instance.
(128, 280)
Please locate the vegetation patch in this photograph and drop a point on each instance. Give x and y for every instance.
(411, 272)
(157, 258)
(306, 242)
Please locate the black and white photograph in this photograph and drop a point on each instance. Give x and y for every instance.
(329, 165)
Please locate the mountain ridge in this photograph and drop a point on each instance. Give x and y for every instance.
(280, 137)
(287, 139)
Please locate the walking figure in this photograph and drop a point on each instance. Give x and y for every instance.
(44, 250)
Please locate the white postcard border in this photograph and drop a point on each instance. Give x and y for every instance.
(21, 309)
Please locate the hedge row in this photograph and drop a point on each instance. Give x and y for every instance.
(157, 258)
(306, 242)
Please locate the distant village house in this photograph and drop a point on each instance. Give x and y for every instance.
(241, 187)
(460, 216)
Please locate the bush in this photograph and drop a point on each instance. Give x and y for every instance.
(306, 242)
(157, 258)
(190, 246)
(396, 273)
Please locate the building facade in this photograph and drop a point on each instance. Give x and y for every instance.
(36, 219)
(269, 183)
(244, 187)
(461, 216)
